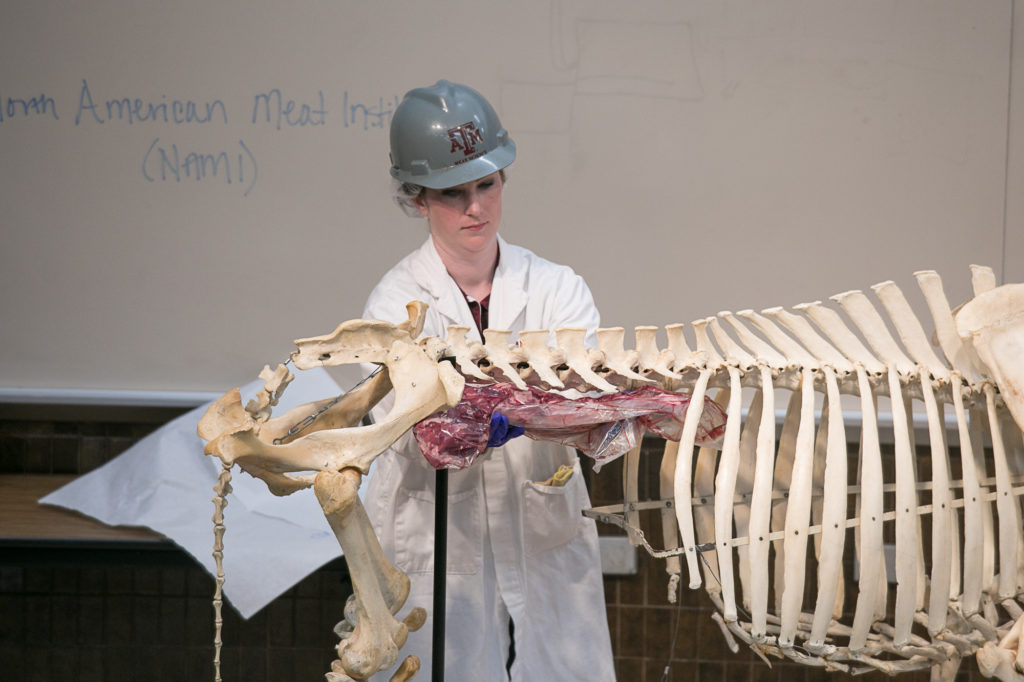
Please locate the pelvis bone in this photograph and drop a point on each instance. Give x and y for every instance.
(945, 423)
(332, 456)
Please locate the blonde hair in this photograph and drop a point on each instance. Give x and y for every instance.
(405, 195)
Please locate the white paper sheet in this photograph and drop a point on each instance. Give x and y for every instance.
(165, 482)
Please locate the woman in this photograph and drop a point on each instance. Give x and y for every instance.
(518, 550)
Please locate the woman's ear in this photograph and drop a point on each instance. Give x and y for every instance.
(421, 205)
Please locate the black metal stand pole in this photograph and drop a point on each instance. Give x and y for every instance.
(440, 572)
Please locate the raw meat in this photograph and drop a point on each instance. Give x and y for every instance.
(603, 428)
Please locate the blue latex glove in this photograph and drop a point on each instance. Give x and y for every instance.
(501, 432)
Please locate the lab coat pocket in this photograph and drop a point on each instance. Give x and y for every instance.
(551, 515)
(414, 532)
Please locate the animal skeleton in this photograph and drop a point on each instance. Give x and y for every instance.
(749, 508)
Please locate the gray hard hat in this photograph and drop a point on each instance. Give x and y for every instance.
(445, 135)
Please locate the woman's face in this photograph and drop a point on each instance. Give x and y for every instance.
(464, 219)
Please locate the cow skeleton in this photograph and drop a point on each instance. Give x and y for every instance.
(749, 510)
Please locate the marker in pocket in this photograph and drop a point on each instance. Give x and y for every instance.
(560, 477)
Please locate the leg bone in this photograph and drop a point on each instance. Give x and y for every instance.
(380, 588)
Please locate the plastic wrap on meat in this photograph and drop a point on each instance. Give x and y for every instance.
(603, 428)
(454, 439)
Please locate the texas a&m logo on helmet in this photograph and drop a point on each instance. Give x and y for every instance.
(465, 138)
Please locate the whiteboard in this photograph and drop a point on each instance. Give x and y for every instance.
(187, 187)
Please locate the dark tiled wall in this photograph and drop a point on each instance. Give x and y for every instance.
(130, 612)
(93, 615)
(30, 446)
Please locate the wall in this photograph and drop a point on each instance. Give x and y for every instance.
(684, 157)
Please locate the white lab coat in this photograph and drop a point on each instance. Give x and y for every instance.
(512, 544)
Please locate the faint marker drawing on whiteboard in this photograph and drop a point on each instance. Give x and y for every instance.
(599, 48)
(640, 59)
(620, 49)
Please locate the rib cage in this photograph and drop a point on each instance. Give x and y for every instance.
(752, 508)
(742, 516)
